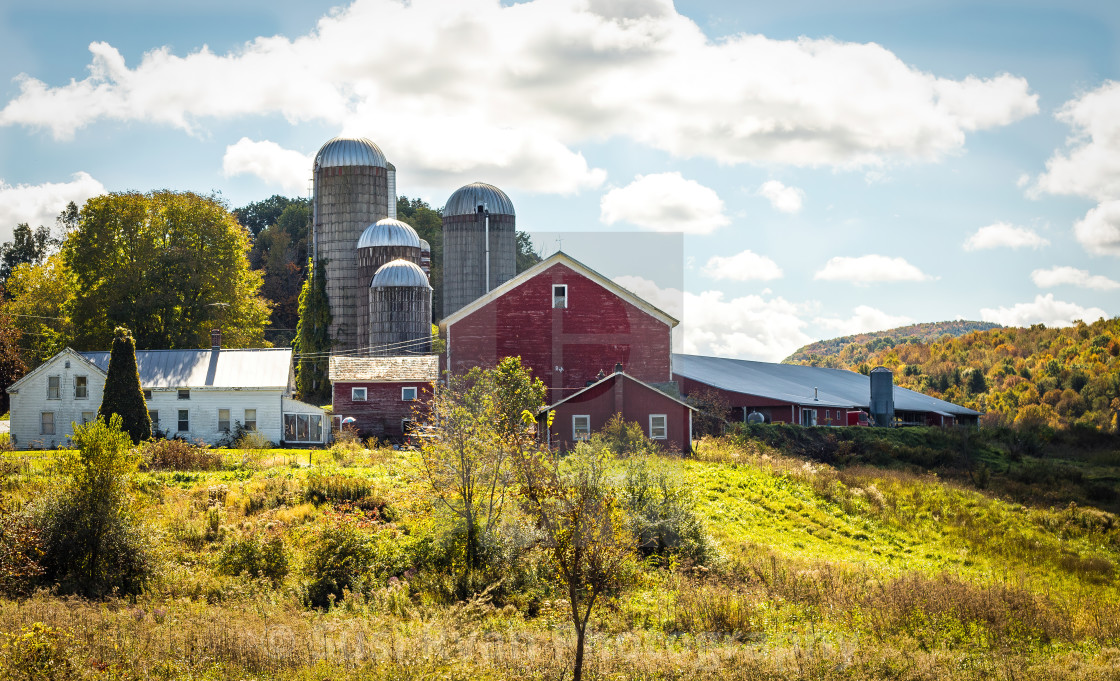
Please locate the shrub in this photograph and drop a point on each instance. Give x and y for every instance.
(255, 557)
(663, 512)
(338, 560)
(38, 652)
(322, 488)
(20, 551)
(622, 438)
(178, 455)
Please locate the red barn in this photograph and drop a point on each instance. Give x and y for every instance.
(382, 394)
(569, 324)
(664, 419)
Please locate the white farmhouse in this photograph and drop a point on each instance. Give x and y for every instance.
(193, 394)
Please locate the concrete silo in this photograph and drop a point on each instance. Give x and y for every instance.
(400, 310)
(382, 242)
(351, 192)
(479, 244)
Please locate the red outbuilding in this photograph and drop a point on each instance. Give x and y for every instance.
(665, 419)
(382, 394)
(569, 324)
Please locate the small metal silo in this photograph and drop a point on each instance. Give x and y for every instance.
(426, 258)
(383, 242)
(392, 185)
(400, 310)
(479, 244)
(882, 396)
(351, 192)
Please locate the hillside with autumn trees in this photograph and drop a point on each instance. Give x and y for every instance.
(1027, 377)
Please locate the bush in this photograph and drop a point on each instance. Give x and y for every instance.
(255, 557)
(663, 512)
(38, 652)
(622, 438)
(178, 455)
(20, 551)
(323, 488)
(339, 558)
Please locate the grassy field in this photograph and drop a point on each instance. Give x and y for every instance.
(822, 571)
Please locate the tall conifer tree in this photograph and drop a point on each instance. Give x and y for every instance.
(123, 394)
(313, 340)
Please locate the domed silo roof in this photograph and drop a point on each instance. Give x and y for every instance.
(425, 247)
(467, 198)
(400, 273)
(389, 232)
(350, 151)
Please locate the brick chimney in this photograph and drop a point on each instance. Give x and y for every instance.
(215, 339)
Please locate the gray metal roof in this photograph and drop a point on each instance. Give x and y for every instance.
(350, 151)
(466, 200)
(400, 273)
(389, 232)
(796, 383)
(425, 247)
(264, 368)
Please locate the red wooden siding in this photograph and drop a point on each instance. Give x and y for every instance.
(634, 401)
(380, 415)
(742, 403)
(564, 347)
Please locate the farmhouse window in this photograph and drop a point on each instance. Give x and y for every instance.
(658, 427)
(223, 420)
(358, 394)
(153, 414)
(54, 391)
(147, 394)
(88, 416)
(303, 427)
(559, 295)
(408, 394)
(581, 427)
(46, 423)
(81, 388)
(184, 393)
(250, 419)
(184, 420)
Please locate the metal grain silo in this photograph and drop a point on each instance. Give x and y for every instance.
(382, 242)
(351, 192)
(400, 310)
(882, 396)
(426, 258)
(479, 244)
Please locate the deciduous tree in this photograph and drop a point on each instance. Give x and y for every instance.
(313, 341)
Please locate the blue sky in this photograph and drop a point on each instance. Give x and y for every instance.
(827, 168)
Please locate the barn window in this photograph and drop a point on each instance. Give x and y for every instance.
(184, 420)
(559, 295)
(658, 427)
(81, 388)
(46, 423)
(358, 394)
(223, 420)
(407, 426)
(581, 427)
(408, 394)
(88, 416)
(54, 390)
(808, 417)
(250, 419)
(184, 393)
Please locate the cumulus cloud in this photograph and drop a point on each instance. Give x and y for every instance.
(1043, 310)
(867, 269)
(1004, 235)
(1099, 231)
(1059, 276)
(864, 319)
(268, 161)
(665, 202)
(40, 204)
(782, 198)
(744, 266)
(546, 75)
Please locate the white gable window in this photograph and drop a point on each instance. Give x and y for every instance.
(658, 427)
(581, 427)
(250, 419)
(358, 394)
(81, 387)
(46, 423)
(184, 420)
(54, 388)
(223, 420)
(408, 394)
(559, 295)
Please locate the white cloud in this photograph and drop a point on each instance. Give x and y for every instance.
(1002, 234)
(665, 202)
(749, 327)
(1044, 310)
(864, 319)
(1092, 166)
(782, 198)
(450, 80)
(1099, 231)
(867, 269)
(744, 266)
(40, 204)
(269, 161)
(1059, 276)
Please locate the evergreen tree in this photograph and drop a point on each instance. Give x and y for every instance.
(123, 394)
(313, 340)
